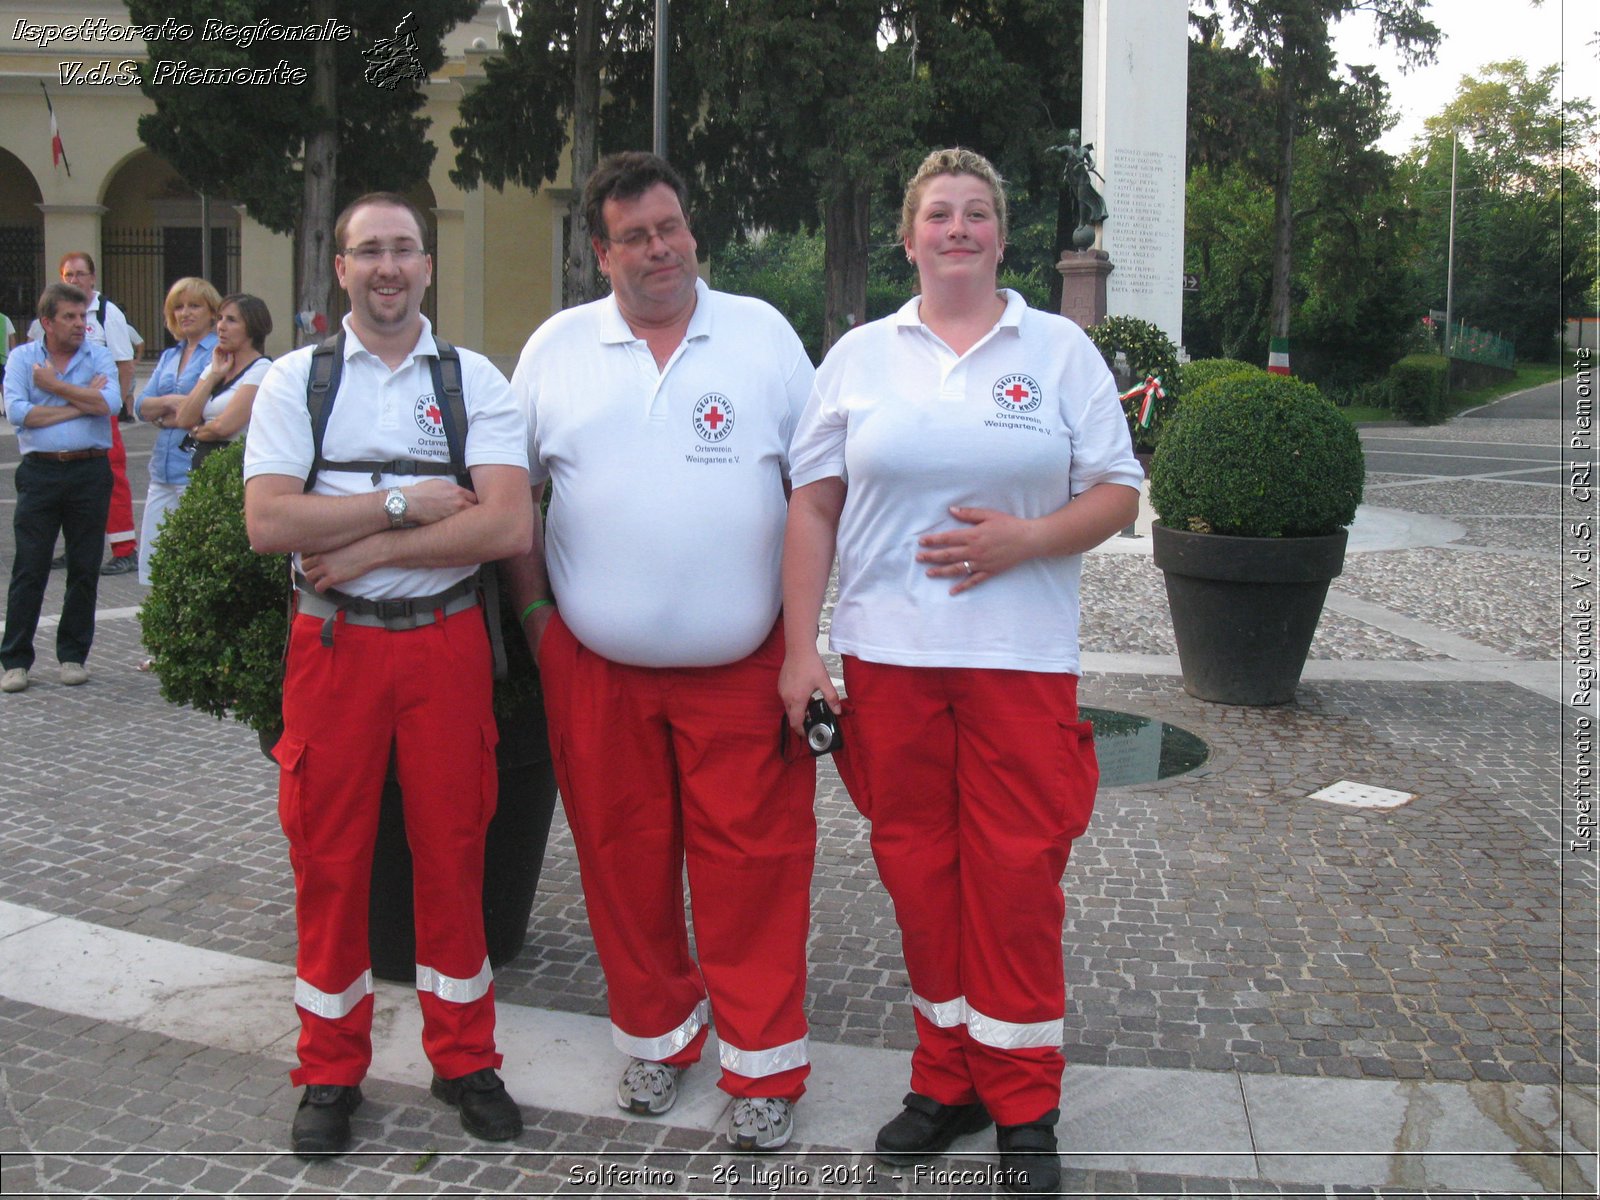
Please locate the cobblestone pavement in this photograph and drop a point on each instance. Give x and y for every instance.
(1219, 921)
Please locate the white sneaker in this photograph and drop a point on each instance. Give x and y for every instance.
(72, 674)
(14, 680)
(760, 1123)
(648, 1088)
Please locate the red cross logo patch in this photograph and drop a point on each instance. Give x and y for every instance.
(429, 419)
(712, 417)
(1017, 393)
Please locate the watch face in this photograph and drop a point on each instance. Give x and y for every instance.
(395, 505)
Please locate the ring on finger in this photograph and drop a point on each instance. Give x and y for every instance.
(967, 565)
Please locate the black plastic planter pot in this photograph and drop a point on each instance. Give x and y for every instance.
(512, 859)
(1244, 610)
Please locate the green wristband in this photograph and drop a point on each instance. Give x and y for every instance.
(531, 607)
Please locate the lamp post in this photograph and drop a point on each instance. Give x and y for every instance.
(1450, 251)
(658, 139)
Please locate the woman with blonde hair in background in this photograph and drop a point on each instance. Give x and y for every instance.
(962, 454)
(190, 312)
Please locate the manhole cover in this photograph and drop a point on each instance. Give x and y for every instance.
(1135, 749)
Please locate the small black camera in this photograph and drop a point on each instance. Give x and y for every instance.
(821, 726)
(189, 444)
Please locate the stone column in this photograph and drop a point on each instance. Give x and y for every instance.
(266, 269)
(449, 279)
(70, 227)
(1083, 285)
(1135, 87)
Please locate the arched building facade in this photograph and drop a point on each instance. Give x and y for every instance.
(143, 222)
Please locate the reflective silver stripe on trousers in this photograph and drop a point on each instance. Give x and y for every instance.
(1008, 1035)
(753, 1064)
(990, 1031)
(456, 991)
(332, 1005)
(946, 1014)
(658, 1049)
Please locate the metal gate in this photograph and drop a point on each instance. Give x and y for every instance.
(138, 265)
(21, 273)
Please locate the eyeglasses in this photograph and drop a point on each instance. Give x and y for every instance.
(372, 255)
(639, 239)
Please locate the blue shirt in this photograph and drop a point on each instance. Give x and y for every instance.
(168, 464)
(22, 396)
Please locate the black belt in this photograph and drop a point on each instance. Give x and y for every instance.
(61, 456)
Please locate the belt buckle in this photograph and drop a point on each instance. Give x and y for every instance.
(393, 612)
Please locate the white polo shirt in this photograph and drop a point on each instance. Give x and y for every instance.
(381, 415)
(665, 530)
(1024, 421)
(251, 376)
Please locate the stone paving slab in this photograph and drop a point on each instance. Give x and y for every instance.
(1217, 921)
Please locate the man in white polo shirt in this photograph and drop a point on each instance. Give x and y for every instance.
(388, 654)
(662, 414)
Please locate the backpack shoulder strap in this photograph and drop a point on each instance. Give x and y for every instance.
(322, 388)
(100, 311)
(446, 369)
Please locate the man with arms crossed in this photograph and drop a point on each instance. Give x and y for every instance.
(61, 396)
(662, 414)
(108, 327)
(388, 651)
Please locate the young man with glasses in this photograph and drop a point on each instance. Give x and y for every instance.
(388, 656)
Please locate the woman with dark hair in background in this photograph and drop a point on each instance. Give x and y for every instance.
(218, 409)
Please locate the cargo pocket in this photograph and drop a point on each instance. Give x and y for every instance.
(848, 759)
(290, 753)
(489, 774)
(1080, 775)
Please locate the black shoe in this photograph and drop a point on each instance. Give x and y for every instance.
(1029, 1164)
(58, 563)
(125, 565)
(322, 1122)
(927, 1127)
(487, 1112)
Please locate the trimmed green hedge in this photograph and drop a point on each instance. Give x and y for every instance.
(1419, 385)
(215, 619)
(1257, 456)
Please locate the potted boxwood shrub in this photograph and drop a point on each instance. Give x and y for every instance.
(215, 623)
(1254, 483)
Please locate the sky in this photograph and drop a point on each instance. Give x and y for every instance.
(1478, 32)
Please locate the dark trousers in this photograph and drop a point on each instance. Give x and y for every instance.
(70, 498)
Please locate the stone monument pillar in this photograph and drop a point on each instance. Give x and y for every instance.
(1135, 88)
(1083, 285)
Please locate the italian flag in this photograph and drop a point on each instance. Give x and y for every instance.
(58, 152)
(1278, 356)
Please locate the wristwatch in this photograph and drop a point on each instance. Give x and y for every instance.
(395, 505)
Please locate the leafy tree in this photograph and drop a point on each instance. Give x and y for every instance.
(1525, 203)
(548, 79)
(294, 153)
(789, 114)
(1293, 39)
